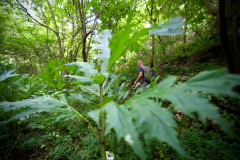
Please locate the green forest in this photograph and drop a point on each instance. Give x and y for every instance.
(72, 75)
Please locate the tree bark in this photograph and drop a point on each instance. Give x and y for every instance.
(236, 43)
(93, 27)
(72, 40)
(25, 10)
(223, 32)
(151, 21)
(56, 30)
(185, 28)
(76, 51)
(210, 8)
(63, 38)
(46, 28)
(83, 29)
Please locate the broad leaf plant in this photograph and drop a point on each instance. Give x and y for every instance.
(139, 114)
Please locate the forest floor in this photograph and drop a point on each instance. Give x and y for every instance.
(205, 60)
(190, 65)
(202, 142)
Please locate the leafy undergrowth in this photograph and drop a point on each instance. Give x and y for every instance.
(189, 65)
(200, 141)
(92, 111)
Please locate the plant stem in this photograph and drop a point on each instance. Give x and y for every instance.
(160, 151)
(102, 141)
(165, 151)
(122, 143)
(186, 123)
(13, 146)
(180, 127)
(59, 127)
(6, 127)
(84, 119)
(47, 140)
(14, 124)
(115, 157)
(52, 138)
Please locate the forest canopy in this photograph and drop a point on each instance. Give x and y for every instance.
(33, 32)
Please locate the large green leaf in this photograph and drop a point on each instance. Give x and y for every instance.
(156, 122)
(118, 44)
(4, 73)
(110, 79)
(186, 98)
(169, 27)
(103, 39)
(95, 115)
(51, 73)
(94, 88)
(80, 78)
(217, 82)
(119, 119)
(134, 47)
(86, 68)
(99, 78)
(41, 104)
(122, 40)
(83, 99)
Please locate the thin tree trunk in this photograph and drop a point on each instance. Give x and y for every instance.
(185, 28)
(235, 38)
(102, 145)
(46, 27)
(83, 29)
(93, 27)
(63, 39)
(56, 30)
(223, 33)
(17, 62)
(151, 19)
(72, 40)
(76, 52)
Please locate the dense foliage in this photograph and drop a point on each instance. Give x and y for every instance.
(60, 104)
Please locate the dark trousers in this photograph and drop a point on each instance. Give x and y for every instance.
(144, 84)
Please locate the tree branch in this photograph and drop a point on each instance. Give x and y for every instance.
(79, 29)
(26, 38)
(25, 10)
(210, 8)
(93, 27)
(147, 7)
(13, 145)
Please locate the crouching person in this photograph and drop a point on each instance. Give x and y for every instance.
(142, 76)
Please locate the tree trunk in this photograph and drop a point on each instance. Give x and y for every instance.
(76, 52)
(73, 36)
(185, 28)
(236, 44)
(152, 57)
(17, 63)
(223, 33)
(151, 19)
(56, 30)
(83, 29)
(84, 50)
(93, 27)
(63, 38)
(46, 27)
